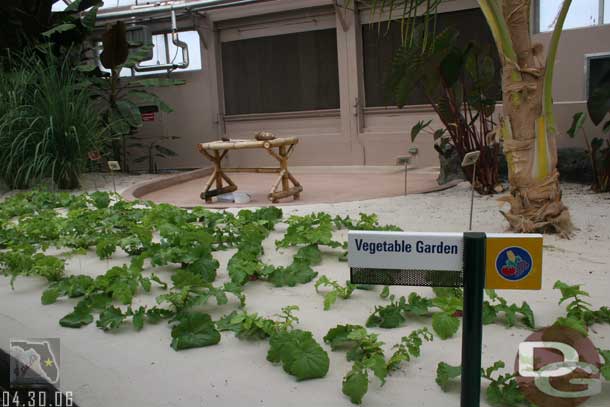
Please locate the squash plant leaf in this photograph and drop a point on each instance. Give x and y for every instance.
(194, 330)
(81, 316)
(445, 324)
(356, 385)
(111, 318)
(445, 373)
(301, 356)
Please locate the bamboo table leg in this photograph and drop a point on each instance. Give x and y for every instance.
(284, 178)
(217, 177)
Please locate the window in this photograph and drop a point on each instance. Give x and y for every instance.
(60, 5)
(380, 44)
(165, 52)
(282, 73)
(583, 13)
(598, 68)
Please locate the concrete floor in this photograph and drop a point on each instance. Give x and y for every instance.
(321, 185)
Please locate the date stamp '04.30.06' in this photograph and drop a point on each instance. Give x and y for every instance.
(35, 368)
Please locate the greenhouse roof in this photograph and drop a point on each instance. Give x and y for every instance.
(113, 4)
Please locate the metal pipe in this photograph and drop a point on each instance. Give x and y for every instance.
(192, 6)
(176, 41)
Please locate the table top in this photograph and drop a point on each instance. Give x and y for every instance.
(243, 144)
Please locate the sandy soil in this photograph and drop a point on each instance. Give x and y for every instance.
(140, 369)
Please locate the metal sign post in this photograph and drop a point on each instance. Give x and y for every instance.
(472, 322)
(113, 166)
(471, 260)
(471, 158)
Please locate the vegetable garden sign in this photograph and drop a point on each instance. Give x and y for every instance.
(512, 261)
(474, 261)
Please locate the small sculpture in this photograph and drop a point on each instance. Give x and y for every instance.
(264, 136)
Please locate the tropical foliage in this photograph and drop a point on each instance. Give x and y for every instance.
(118, 99)
(460, 82)
(28, 23)
(48, 122)
(528, 127)
(598, 148)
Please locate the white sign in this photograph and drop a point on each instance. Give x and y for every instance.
(406, 250)
(114, 166)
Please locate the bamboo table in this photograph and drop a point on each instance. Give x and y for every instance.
(217, 150)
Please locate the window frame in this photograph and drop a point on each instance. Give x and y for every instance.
(588, 59)
(163, 72)
(600, 18)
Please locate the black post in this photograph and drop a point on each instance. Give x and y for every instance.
(472, 324)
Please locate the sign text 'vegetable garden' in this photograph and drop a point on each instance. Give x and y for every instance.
(405, 250)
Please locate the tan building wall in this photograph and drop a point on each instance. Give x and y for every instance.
(350, 135)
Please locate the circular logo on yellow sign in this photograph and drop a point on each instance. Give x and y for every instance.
(514, 263)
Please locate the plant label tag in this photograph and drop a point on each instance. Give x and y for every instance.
(471, 158)
(114, 166)
(405, 251)
(513, 261)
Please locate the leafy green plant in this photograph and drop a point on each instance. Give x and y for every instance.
(194, 330)
(365, 350)
(580, 316)
(605, 368)
(296, 350)
(245, 264)
(448, 301)
(253, 326)
(29, 23)
(299, 353)
(385, 292)
(502, 390)
(445, 373)
(365, 222)
(247, 326)
(444, 322)
(192, 290)
(313, 229)
(497, 305)
(48, 122)
(461, 83)
(23, 261)
(299, 272)
(118, 98)
(408, 348)
(337, 291)
(599, 154)
(393, 314)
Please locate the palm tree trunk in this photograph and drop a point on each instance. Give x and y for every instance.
(528, 125)
(528, 130)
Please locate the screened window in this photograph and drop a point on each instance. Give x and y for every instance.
(283, 73)
(598, 70)
(582, 13)
(381, 42)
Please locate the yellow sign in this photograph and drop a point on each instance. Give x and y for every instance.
(514, 261)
